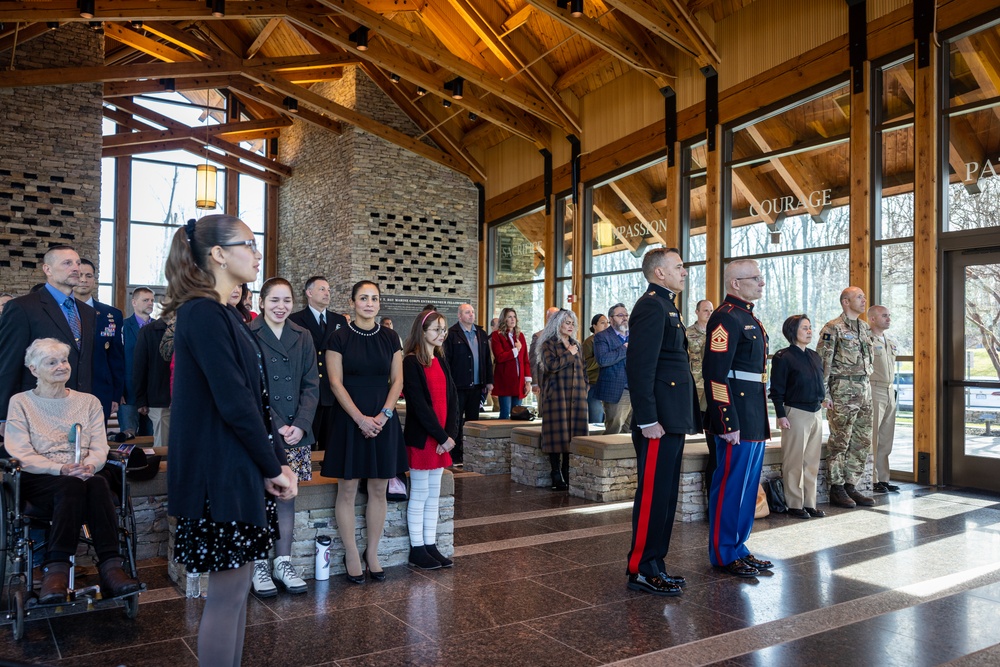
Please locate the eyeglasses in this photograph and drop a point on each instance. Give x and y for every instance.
(250, 243)
(757, 278)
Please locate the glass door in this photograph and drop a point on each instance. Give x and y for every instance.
(972, 384)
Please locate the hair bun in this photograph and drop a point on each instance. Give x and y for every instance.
(189, 229)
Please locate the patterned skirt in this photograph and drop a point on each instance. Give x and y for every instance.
(300, 461)
(203, 545)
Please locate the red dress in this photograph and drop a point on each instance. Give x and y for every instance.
(428, 458)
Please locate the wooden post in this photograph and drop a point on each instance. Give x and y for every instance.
(580, 229)
(123, 215)
(232, 194)
(927, 204)
(673, 233)
(484, 273)
(861, 188)
(713, 223)
(549, 247)
(271, 232)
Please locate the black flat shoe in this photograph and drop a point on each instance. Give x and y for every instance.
(438, 556)
(815, 513)
(670, 579)
(798, 513)
(360, 579)
(757, 563)
(376, 576)
(652, 585)
(739, 569)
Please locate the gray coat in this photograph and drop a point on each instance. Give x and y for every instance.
(292, 376)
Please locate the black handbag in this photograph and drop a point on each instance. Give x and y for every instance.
(522, 413)
(774, 489)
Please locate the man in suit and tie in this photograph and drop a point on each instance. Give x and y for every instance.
(50, 312)
(610, 348)
(321, 322)
(109, 352)
(129, 418)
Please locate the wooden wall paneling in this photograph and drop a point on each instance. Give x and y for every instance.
(862, 207)
(714, 290)
(926, 297)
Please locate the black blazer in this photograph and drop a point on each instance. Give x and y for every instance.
(421, 420)
(109, 356)
(130, 334)
(304, 318)
(459, 354)
(150, 372)
(37, 315)
(220, 448)
(656, 363)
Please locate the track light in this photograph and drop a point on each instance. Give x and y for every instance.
(473, 117)
(360, 38)
(51, 25)
(86, 8)
(576, 8)
(136, 25)
(291, 104)
(421, 92)
(168, 85)
(97, 27)
(446, 103)
(394, 78)
(218, 8)
(455, 86)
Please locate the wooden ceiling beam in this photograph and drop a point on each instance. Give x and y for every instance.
(262, 37)
(477, 134)
(23, 35)
(583, 70)
(292, 63)
(140, 42)
(246, 88)
(453, 31)
(313, 75)
(693, 29)
(136, 10)
(517, 19)
(72, 75)
(223, 36)
(756, 191)
(771, 135)
(183, 39)
(149, 86)
(638, 197)
(665, 27)
(474, 75)
(394, 6)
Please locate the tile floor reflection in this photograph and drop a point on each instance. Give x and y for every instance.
(539, 580)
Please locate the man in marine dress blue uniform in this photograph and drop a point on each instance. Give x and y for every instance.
(664, 409)
(735, 387)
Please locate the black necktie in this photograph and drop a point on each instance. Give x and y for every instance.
(322, 322)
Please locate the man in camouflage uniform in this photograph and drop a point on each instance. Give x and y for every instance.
(696, 353)
(883, 396)
(845, 346)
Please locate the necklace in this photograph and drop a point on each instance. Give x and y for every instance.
(361, 332)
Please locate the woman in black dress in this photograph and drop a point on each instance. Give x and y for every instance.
(365, 441)
(225, 469)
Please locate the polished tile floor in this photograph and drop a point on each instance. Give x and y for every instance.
(539, 580)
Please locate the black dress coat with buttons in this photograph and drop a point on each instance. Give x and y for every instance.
(305, 319)
(292, 377)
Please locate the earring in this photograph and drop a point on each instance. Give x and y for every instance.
(224, 266)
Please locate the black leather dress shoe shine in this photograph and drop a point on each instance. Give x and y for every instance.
(815, 513)
(757, 563)
(880, 487)
(891, 487)
(652, 585)
(740, 569)
(670, 579)
(798, 513)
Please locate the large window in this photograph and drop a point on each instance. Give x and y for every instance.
(517, 269)
(789, 206)
(694, 162)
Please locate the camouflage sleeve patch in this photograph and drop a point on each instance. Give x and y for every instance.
(720, 393)
(720, 339)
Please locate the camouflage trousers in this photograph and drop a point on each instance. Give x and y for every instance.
(850, 430)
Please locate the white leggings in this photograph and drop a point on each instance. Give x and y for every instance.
(422, 509)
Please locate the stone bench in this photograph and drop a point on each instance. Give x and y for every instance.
(529, 465)
(487, 444)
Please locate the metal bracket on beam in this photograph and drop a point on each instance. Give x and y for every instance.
(711, 103)
(547, 179)
(574, 163)
(669, 122)
(923, 29)
(857, 26)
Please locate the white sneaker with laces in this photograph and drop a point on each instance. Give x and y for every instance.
(285, 574)
(263, 586)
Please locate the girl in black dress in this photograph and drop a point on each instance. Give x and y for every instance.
(365, 441)
(223, 463)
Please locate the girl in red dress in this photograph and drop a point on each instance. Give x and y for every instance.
(431, 427)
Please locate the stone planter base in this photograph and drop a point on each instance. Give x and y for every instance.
(603, 469)
(487, 445)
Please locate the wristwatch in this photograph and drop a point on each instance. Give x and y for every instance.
(387, 412)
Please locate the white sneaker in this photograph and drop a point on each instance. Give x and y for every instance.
(285, 574)
(263, 586)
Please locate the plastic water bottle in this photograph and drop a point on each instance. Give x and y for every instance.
(193, 588)
(323, 557)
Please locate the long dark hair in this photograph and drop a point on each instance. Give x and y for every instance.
(241, 306)
(415, 341)
(189, 274)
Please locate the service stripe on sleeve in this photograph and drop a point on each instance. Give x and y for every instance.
(720, 393)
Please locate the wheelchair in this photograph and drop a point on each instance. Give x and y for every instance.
(22, 540)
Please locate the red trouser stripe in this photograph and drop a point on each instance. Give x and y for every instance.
(648, 481)
(720, 499)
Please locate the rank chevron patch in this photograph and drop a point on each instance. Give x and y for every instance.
(720, 339)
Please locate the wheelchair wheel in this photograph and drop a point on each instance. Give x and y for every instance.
(4, 520)
(18, 613)
(131, 606)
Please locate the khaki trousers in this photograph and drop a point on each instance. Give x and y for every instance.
(618, 416)
(161, 426)
(801, 447)
(883, 429)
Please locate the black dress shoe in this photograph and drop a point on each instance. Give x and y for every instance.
(891, 487)
(739, 569)
(798, 513)
(652, 585)
(360, 579)
(815, 513)
(670, 579)
(880, 487)
(757, 563)
(376, 576)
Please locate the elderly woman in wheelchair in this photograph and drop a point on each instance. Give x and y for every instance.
(63, 470)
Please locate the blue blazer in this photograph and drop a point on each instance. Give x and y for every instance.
(130, 334)
(609, 351)
(109, 357)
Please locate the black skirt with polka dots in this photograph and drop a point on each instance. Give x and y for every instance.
(203, 545)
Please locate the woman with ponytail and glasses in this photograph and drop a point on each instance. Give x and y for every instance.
(431, 427)
(225, 469)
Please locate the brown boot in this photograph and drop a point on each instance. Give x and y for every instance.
(839, 497)
(114, 581)
(858, 497)
(55, 581)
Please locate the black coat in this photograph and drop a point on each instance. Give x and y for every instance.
(459, 355)
(659, 376)
(219, 444)
(109, 356)
(304, 318)
(421, 420)
(130, 334)
(37, 315)
(150, 372)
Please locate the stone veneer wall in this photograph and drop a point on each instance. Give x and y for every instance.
(358, 207)
(50, 158)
